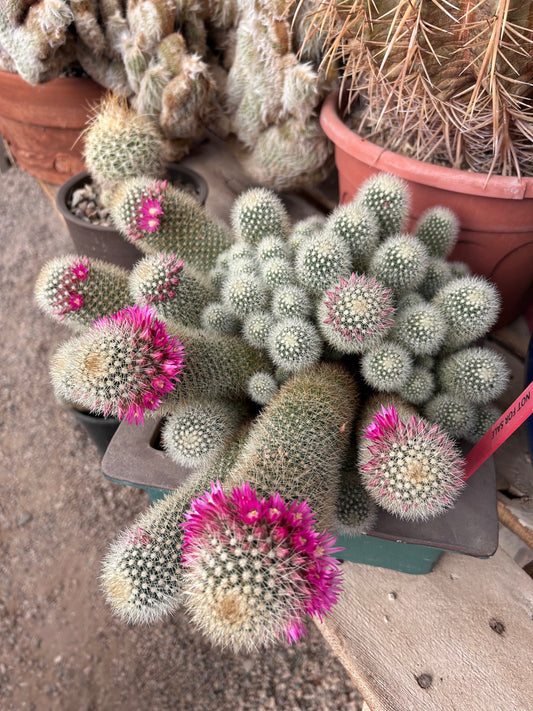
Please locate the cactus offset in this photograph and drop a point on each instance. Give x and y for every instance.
(294, 344)
(386, 367)
(261, 388)
(477, 375)
(258, 213)
(437, 228)
(359, 228)
(452, 414)
(421, 329)
(388, 198)
(321, 261)
(400, 263)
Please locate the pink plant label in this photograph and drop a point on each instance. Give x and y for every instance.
(515, 415)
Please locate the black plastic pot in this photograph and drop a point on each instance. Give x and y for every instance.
(100, 429)
(105, 242)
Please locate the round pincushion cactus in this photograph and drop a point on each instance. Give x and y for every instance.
(438, 274)
(486, 416)
(122, 365)
(258, 213)
(290, 301)
(218, 318)
(321, 261)
(255, 567)
(411, 469)
(238, 251)
(256, 328)
(294, 344)
(420, 329)
(304, 229)
(437, 228)
(356, 512)
(388, 198)
(277, 272)
(196, 432)
(478, 375)
(271, 247)
(356, 314)
(386, 367)
(470, 306)
(244, 294)
(262, 387)
(452, 414)
(175, 290)
(460, 269)
(412, 298)
(400, 263)
(419, 387)
(359, 228)
(77, 290)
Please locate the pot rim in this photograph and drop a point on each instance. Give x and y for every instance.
(417, 171)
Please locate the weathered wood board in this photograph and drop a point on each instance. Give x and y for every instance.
(458, 639)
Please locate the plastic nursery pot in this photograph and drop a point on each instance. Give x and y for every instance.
(42, 124)
(100, 429)
(470, 527)
(105, 242)
(495, 214)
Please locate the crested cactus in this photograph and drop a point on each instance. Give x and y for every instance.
(419, 387)
(258, 213)
(160, 218)
(120, 144)
(470, 306)
(77, 290)
(175, 290)
(400, 263)
(122, 365)
(452, 414)
(477, 375)
(388, 198)
(321, 261)
(437, 228)
(421, 329)
(386, 367)
(256, 328)
(255, 567)
(355, 314)
(218, 318)
(411, 469)
(290, 301)
(262, 387)
(294, 344)
(198, 431)
(243, 294)
(359, 228)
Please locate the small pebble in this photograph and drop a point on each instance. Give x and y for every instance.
(24, 519)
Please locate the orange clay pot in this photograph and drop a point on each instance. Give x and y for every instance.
(496, 213)
(41, 124)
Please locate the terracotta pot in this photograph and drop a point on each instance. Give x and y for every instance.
(471, 527)
(42, 124)
(496, 213)
(105, 242)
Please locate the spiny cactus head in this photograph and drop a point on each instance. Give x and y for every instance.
(419, 387)
(271, 247)
(386, 367)
(256, 328)
(421, 329)
(138, 207)
(258, 213)
(460, 269)
(321, 261)
(470, 306)
(388, 198)
(77, 290)
(217, 277)
(243, 294)
(218, 318)
(238, 251)
(477, 375)
(197, 431)
(356, 512)
(451, 414)
(411, 469)
(411, 298)
(303, 229)
(276, 272)
(294, 344)
(359, 228)
(290, 301)
(155, 278)
(120, 143)
(122, 365)
(245, 265)
(437, 228)
(438, 274)
(400, 263)
(486, 416)
(355, 314)
(262, 387)
(255, 567)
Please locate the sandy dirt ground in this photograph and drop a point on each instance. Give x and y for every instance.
(60, 647)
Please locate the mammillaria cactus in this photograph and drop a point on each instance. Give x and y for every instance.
(271, 247)
(256, 328)
(77, 290)
(419, 387)
(421, 329)
(122, 365)
(255, 567)
(259, 213)
(218, 318)
(470, 306)
(356, 511)
(158, 217)
(262, 387)
(175, 290)
(477, 375)
(355, 314)
(438, 274)
(410, 468)
(303, 229)
(387, 198)
(452, 414)
(387, 367)
(486, 416)
(290, 301)
(321, 260)
(359, 228)
(244, 294)
(196, 432)
(400, 263)
(277, 272)
(437, 228)
(294, 344)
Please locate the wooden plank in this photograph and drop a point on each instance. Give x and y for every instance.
(458, 639)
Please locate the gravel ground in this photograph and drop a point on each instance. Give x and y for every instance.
(60, 647)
